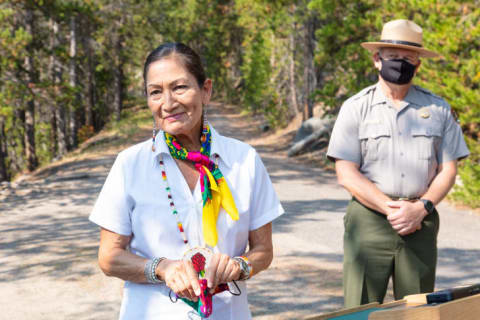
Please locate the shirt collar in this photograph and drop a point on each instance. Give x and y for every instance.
(411, 97)
(218, 146)
(378, 95)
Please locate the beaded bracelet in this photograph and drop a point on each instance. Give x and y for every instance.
(249, 266)
(150, 268)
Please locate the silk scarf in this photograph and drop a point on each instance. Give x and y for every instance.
(214, 187)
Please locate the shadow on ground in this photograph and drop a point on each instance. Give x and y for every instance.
(45, 232)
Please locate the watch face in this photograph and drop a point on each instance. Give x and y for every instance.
(245, 269)
(243, 265)
(428, 205)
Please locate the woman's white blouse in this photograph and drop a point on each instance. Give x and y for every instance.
(133, 202)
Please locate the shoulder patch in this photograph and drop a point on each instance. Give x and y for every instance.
(455, 115)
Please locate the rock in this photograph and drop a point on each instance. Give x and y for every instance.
(318, 128)
(308, 127)
(4, 185)
(264, 127)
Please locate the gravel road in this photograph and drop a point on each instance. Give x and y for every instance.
(48, 247)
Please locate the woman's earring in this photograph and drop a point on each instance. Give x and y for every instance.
(154, 133)
(205, 123)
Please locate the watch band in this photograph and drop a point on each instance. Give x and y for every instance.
(245, 266)
(428, 205)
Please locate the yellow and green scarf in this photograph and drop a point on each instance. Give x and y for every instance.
(214, 187)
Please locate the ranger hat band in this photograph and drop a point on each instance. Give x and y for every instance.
(403, 34)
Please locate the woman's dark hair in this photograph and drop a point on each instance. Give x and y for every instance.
(190, 59)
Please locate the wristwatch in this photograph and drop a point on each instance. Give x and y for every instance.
(245, 267)
(428, 205)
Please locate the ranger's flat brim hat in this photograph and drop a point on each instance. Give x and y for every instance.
(403, 34)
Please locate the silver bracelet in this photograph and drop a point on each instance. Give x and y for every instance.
(150, 268)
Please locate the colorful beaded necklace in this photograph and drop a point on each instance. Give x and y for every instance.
(214, 188)
(172, 204)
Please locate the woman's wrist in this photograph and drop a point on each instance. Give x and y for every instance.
(150, 270)
(246, 269)
(161, 268)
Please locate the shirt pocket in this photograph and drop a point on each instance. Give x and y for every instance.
(374, 141)
(426, 140)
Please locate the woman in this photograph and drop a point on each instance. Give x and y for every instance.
(189, 192)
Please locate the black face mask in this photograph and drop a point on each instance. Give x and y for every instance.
(397, 71)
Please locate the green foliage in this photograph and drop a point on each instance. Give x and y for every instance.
(43, 142)
(346, 66)
(255, 51)
(264, 47)
(451, 28)
(467, 192)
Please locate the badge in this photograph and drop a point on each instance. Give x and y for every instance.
(424, 113)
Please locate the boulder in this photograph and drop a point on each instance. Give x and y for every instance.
(311, 135)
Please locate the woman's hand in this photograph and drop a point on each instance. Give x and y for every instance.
(222, 269)
(181, 277)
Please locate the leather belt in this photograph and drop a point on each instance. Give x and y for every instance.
(411, 199)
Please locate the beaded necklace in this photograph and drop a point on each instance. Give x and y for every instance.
(214, 188)
(215, 193)
(170, 197)
(205, 139)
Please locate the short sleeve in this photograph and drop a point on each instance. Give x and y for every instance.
(453, 144)
(264, 203)
(112, 208)
(344, 143)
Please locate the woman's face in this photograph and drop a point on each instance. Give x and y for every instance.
(175, 98)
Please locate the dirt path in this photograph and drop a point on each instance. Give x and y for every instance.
(48, 247)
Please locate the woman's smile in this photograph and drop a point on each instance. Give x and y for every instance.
(174, 117)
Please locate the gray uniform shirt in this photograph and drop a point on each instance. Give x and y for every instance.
(397, 149)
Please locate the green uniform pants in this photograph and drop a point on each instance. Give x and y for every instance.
(373, 252)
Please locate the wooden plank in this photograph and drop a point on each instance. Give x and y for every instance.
(344, 312)
(415, 308)
(462, 309)
(407, 313)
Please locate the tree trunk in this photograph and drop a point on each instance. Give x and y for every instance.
(118, 78)
(4, 176)
(291, 69)
(73, 122)
(53, 106)
(29, 135)
(90, 103)
(56, 80)
(17, 163)
(309, 68)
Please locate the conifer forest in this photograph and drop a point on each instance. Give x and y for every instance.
(68, 68)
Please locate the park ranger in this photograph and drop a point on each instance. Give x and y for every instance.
(395, 147)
